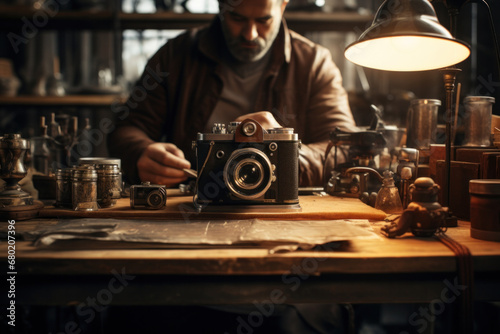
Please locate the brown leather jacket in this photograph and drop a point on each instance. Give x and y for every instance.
(179, 88)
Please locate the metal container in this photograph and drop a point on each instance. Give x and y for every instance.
(64, 188)
(422, 123)
(12, 151)
(109, 184)
(477, 120)
(485, 209)
(84, 188)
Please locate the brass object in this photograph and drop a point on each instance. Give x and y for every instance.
(424, 215)
(15, 202)
(12, 151)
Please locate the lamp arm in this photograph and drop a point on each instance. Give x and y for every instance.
(454, 6)
(493, 33)
(492, 29)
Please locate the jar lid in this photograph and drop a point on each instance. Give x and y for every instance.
(112, 170)
(485, 187)
(106, 167)
(426, 101)
(64, 172)
(486, 99)
(99, 161)
(84, 173)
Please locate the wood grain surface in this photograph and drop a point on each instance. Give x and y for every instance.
(181, 207)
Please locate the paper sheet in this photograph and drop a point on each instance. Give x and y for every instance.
(250, 232)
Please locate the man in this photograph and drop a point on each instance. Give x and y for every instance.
(246, 64)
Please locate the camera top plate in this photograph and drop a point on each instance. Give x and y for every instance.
(248, 131)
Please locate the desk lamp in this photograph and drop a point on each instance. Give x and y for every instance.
(406, 36)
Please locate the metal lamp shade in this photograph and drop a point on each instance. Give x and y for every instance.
(406, 36)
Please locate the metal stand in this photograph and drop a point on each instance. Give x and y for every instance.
(449, 76)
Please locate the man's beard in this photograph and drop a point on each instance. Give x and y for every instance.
(257, 49)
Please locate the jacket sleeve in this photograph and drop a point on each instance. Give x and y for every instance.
(140, 121)
(328, 108)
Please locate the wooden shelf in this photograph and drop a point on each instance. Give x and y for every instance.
(340, 21)
(302, 21)
(65, 101)
(163, 20)
(19, 19)
(14, 19)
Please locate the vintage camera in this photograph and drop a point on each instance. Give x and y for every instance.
(247, 165)
(148, 196)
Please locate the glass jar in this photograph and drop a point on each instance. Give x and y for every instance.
(422, 123)
(109, 185)
(477, 120)
(388, 199)
(84, 188)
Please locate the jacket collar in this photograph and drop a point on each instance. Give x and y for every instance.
(212, 44)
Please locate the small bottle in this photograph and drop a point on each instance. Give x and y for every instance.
(41, 152)
(385, 159)
(73, 129)
(53, 128)
(405, 186)
(83, 133)
(388, 199)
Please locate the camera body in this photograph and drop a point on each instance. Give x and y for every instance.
(148, 196)
(244, 164)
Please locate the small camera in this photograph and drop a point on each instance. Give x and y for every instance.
(148, 196)
(245, 164)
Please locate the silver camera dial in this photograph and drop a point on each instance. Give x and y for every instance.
(280, 131)
(249, 129)
(219, 128)
(231, 128)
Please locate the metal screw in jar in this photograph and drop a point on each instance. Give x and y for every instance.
(84, 188)
(109, 184)
(485, 209)
(63, 187)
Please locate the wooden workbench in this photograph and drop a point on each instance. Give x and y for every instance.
(376, 270)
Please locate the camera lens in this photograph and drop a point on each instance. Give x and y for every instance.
(248, 173)
(155, 199)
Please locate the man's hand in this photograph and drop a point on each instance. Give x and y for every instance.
(265, 118)
(162, 163)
